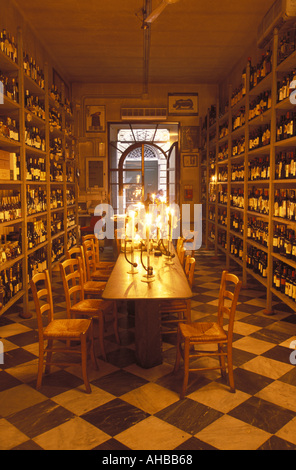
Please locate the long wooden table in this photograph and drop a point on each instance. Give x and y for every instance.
(170, 283)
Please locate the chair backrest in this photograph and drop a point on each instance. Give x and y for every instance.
(180, 243)
(72, 276)
(189, 269)
(95, 243)
(89, 257)
(118, 241)
(42, 295)
(78, 252)
(182, 252)
(226, 294)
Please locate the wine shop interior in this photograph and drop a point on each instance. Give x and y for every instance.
(148, 225)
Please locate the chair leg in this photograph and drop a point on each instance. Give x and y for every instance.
(92, 347)
(222, 360)
(101, 336)
(115, 323)
(188, 311)
(84, 363)
(178, 352)
(186, 368)
(40, 365)
(230, 369)
(48, 356)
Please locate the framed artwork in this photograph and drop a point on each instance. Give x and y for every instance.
(189, 138)
(183, 104)
(95, 173)
(190, 160)
(95, 118)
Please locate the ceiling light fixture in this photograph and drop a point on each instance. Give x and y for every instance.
(156, 12)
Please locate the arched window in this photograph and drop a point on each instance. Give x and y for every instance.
(142, 160)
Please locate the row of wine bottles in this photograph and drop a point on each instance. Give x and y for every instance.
(10, 207)
(286, 126)
(238, 146)
(12, 278)
(284, 238)
(287, 44)
(283, 86)
(35, 105)
(12, 281)
(256, 260)
(9, 86)
(260, 105)
(285, 165)
(9, 128)
(258, 201)
(32, 70)
(259, 168)
(10, 246)
(8, 45)
(239, 119)
(284, 280)
(36, 233)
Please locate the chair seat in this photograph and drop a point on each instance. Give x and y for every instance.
(94, 287)
(92, 307)
(203, 332)
(100, 275)
(68, 328)
(107, 265)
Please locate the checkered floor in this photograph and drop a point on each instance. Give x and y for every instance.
(131, 408)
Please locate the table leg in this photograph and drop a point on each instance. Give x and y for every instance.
(147, 334)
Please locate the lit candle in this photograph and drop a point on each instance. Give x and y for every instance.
(158, 225)
(172, 223)
(132, 215)
(168, 222)
(148, 223)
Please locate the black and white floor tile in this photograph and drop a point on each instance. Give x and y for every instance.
(139, 409)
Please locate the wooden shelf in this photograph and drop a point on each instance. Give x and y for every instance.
(288, 64)
(6, 64)
(23, 116)
(212, 166)
(12, 301)
(11, 263)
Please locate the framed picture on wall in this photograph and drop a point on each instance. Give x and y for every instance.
(183, 104)
(190, 160)
(95, 172)
(95, 118)
(189, 138)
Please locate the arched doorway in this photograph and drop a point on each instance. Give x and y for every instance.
(142, 160)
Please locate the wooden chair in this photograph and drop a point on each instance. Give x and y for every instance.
(200, 333)
(59, 330)
(180, 243)
(99, 264)
(118, 242)
(177, 311)
(181, 255)
(78, 306)
(91, 288)
(189, 269)
(92, 273)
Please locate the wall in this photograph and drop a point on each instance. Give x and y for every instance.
(116, 96)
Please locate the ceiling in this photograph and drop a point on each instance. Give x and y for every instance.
(192, 41)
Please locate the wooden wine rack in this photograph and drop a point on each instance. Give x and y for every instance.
(210, 171)
(19, 110)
